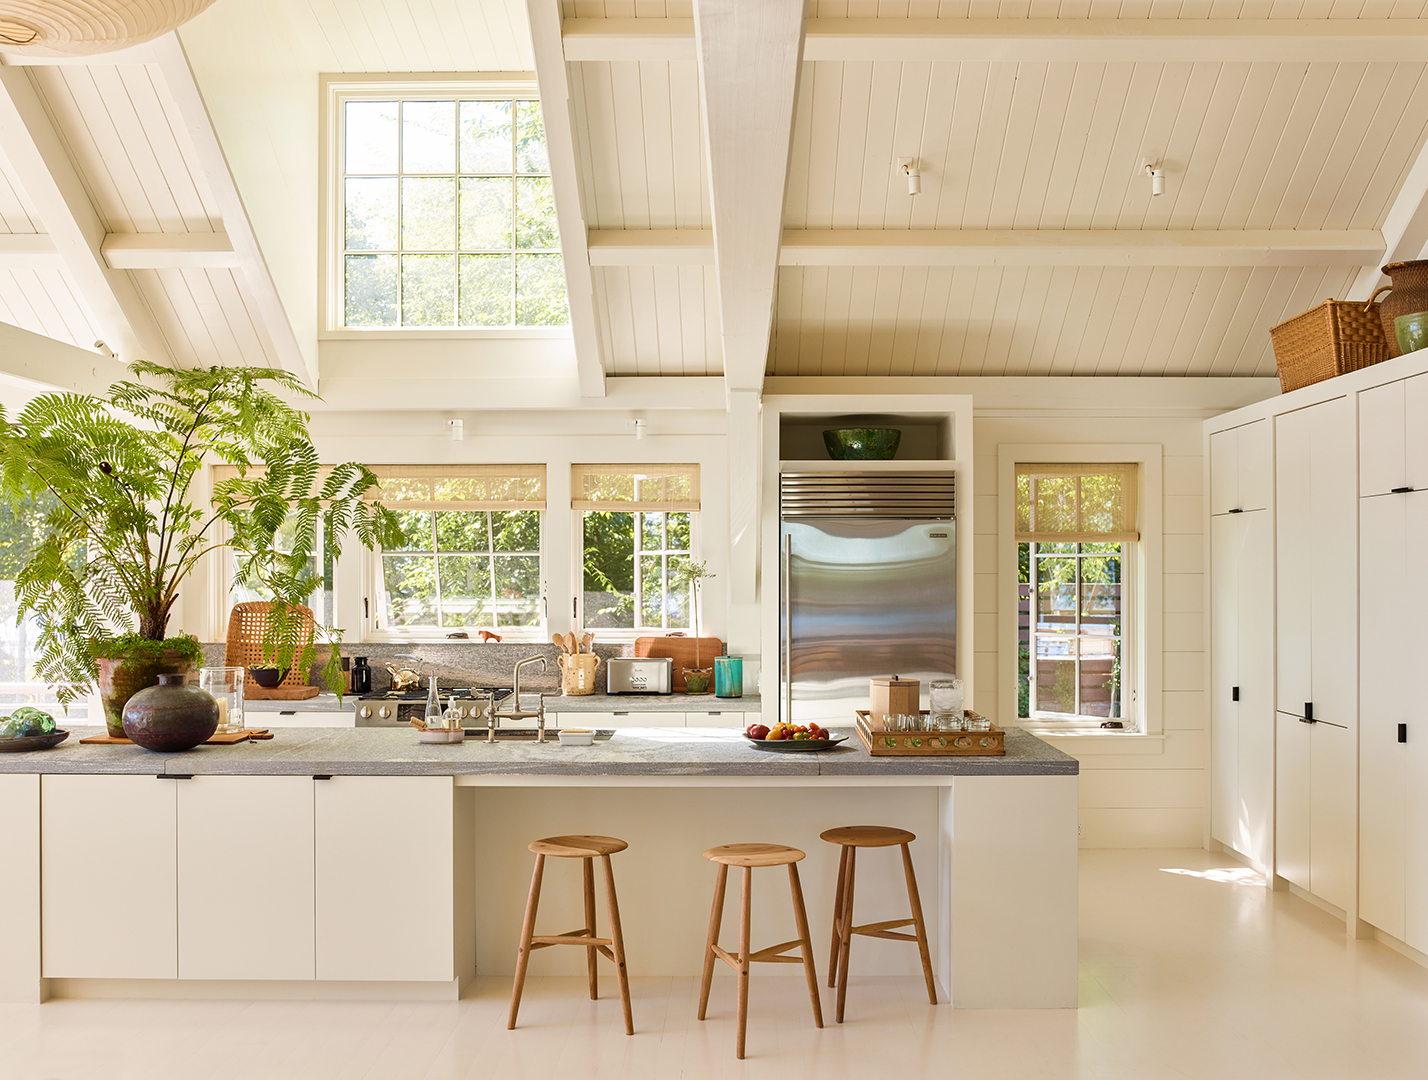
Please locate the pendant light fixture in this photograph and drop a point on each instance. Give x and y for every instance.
(80, 27)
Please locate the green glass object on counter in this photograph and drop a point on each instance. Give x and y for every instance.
(862, 443)
(1411, 331)
(728, 676)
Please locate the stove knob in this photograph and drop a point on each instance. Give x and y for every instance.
(365, 711)
(385, 712)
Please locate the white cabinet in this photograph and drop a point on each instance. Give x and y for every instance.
(385, 878)
(108, 878)
(1240, 468)
(706, 718)
(1316, 649)
(245, 877)
(1393, 437)
(1242, 682)
(616, 719)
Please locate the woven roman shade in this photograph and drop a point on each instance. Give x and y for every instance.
(1076, 504)
(672, 488)
(462, 487)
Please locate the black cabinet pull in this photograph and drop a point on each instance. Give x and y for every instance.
(1402, 732)
(174, 776)
(1309, 711)
(1237, 510)
(323, 776)
(1234, 693)
(1400, 491)
(1304, 720)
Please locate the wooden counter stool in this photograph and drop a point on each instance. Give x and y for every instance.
(613, 947)
(851, 838)
(749, 856)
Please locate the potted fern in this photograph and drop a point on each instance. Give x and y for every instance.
(121, 533)
(690, 574)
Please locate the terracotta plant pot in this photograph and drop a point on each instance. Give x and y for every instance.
(170, 716)
(123, 677)
(696, 680)
(1409, 297)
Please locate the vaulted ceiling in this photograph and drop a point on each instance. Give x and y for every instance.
(728, 182)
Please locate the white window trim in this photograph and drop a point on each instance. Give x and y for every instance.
(1141, 633)
(618, 635)
(337, 89)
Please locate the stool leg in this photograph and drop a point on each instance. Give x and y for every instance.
(617, 944)
(590, 952)
(800, 918)
(837, 913)
(744, 957)
(523, 958)
(916, 902)
(716, 916)
(846, 921)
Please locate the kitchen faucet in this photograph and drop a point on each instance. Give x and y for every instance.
(516, 713)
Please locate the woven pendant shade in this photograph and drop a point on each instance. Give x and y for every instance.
(78, 27)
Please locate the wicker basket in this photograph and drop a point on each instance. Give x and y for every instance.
(1336, 337)
(244, 648)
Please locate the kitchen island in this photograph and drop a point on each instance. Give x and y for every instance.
(335, 862)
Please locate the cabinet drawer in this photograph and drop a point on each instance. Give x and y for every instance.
(620, 719)
(738, 720)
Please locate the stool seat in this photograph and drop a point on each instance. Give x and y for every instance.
(754, 855)
(577, 847)
(867, 836)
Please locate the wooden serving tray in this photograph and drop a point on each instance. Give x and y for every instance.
(882, 743)
(280, 693)
(227, 738)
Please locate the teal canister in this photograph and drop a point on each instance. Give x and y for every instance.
(728, 676)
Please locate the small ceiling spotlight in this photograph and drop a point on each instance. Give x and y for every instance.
(457, 430)
(640, 430)
(106, 350)
(908, 166)
(1157, 179)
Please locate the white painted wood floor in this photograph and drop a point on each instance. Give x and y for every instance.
(1195, 973)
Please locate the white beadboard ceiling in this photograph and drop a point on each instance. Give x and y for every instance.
(1276, 147)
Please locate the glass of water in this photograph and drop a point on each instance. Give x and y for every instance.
(946, 701)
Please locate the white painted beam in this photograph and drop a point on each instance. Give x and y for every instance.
(169, 251)
(555, 105)
(178, 76)
(35, 364)
(1038, 40)
(1405, 229)
(29, 251)
(39, 161)
(1005, 247)
(749, 58)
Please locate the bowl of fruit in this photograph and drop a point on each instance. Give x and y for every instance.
(794, 738)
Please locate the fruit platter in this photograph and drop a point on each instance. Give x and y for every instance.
(795, 738)
(27, 728)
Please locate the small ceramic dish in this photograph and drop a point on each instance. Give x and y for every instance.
(33, 742)
(441, 735)
(577, 737)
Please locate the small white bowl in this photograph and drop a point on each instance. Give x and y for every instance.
(441, 735)
(577, 737)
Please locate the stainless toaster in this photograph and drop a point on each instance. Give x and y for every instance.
(640, 675)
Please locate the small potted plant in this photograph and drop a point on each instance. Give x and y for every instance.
(690, 574)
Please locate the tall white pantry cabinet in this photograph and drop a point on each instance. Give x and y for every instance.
(1318, 627)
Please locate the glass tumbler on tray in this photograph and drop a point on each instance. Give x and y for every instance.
(226, 686)
(946, 704)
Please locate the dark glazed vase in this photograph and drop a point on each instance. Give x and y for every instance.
(1409, 297)
(122, 678)
(170, 716)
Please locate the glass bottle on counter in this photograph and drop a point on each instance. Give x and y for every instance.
(361, 676)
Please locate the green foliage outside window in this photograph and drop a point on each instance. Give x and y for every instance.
(633, 570)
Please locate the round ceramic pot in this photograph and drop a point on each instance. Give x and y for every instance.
(170, 716)
(122, 678)
(862, 444)
(1409, 297)
(696, 680)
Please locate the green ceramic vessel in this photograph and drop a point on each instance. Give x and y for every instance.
(862, 443)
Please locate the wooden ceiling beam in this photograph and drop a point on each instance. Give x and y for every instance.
(1005, 247)
(125, 251)
(749, 58)
(553, 78)
(41, 164)
(1037, 40)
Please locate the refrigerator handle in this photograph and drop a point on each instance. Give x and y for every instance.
(788, 627)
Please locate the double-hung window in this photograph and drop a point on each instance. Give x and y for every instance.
(446, 213)
(472, 555)
(637, 531)
(1074, 527)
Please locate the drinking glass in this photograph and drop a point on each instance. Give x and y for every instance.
(946, 702)
(226, 686)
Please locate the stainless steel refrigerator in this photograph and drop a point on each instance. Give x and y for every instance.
(868, 587)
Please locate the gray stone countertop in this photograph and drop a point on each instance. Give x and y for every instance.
(554, 703)
(631, 752)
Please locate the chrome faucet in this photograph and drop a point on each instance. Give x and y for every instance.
(516, 712)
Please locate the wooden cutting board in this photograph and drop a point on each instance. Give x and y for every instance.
(227, 738)
(681, 651)
(280, 693)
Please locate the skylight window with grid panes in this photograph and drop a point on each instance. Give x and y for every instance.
(449, 216)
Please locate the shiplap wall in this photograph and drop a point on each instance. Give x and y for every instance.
(1127, 799)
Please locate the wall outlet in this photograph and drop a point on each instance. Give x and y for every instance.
(1079, 830)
